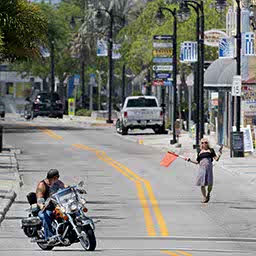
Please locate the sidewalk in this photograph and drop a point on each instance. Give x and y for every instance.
(245, 166)
(10, 180)
(94, 122)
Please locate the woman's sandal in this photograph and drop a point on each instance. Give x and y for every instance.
(207, 199)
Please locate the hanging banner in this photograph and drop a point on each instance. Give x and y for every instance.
(116, 54)
(188, 52)
(248, 45)
(226, 48)
(102, 48)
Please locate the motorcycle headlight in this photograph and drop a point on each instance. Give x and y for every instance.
(82, 201)
(73, 207)
(63, 209)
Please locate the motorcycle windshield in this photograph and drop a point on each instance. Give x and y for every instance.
(65, 196)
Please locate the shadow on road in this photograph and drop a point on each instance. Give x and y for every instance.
(16, 128)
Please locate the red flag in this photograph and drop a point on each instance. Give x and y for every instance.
(168, 159)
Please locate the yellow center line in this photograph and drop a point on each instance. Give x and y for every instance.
(184, 253)
(51, 134)
(141, 195)
(152, 198)
(170, 253)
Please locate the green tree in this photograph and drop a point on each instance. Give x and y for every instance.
(139, 33)
(59, 31)
(22, 30)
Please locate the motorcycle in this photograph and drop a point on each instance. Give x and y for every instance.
(69, 223)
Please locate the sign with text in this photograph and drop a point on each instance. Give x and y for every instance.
(163, 52)
(158, 82)
(236, 86)
(162, 60)
(248, 142)
(237, 141)
(212, 37)
(163, 75)
(162, 45)
(162, 68)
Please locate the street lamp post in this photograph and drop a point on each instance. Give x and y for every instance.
(82, 59)
(52, 74)
(199, 99)
(184, 14)
(159, 17)
(110, 57)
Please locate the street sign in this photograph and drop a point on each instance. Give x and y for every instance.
(162, 45)
(162, 60)
(167, 83)
(163, 75)
(163, 37)
(236, 86)
(163, 52)
(158, 83)
(163, 68)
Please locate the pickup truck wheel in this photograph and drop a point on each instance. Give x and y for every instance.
(158, 130)
(118, 126)
(124, 130)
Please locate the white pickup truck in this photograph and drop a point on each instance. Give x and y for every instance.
(140, 112)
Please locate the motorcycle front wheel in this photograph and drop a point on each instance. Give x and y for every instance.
(88, 240)
(45, 246)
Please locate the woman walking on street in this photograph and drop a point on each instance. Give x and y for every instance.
(205, 174)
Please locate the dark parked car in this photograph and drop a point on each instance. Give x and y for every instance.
(2, 110)
(43, 104)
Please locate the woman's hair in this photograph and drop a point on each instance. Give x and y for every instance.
(204, 140)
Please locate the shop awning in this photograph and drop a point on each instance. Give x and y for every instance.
(219, 74)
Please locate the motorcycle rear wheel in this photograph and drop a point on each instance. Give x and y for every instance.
(88, 240)
(45, 246)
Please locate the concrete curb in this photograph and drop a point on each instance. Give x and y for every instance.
(6, 204)
(10, 196)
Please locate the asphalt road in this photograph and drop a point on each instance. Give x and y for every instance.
(142, 208)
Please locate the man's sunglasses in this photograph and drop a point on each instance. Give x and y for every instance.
(204, 142)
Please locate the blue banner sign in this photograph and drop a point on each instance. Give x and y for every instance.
(163, 75)
(248, 44)
(226, 48)
(167, 83)
(162, 60)
(188, 52)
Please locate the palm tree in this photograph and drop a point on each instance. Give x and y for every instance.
(22, 29)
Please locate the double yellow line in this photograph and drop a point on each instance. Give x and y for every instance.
(51, 134)
(139, 183)
(177, 253)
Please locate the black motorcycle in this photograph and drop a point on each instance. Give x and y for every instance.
(70, 223)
